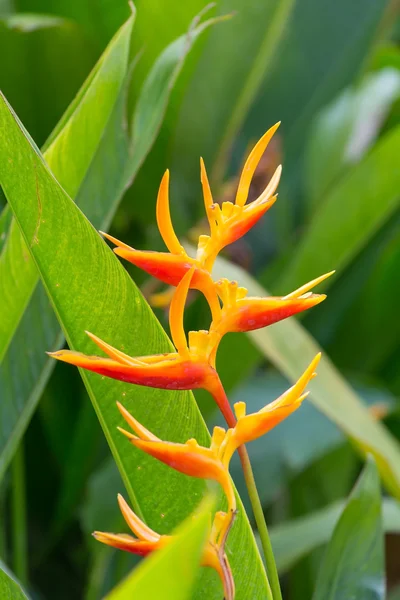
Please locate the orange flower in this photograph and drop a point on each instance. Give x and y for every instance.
(243, 313)
(227, 223)
(188, 368)
(146, 541)
(250, 427)
(230, 222)
(189, 458)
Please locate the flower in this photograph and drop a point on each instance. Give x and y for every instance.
(189, 458)
(191, 366)
(250, 427)
(231, 221)
(146, 541)
(243, 313)
(227, 223)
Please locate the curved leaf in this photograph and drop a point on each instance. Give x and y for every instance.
(354, 562)
(294, 539)
(90, 290)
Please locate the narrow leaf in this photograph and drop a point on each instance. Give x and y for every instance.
(354, 563)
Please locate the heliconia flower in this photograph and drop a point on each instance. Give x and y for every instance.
(169, 267)
(189, 458)
(148, 541)
(190, 367)
(227, 223)
(231, 221)
(250, 427)
(243, 313)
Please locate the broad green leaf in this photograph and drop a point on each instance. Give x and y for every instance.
(69, 156)
(344, 130)
(113, 167)
(291, 348)
(351, 214)
(170, 573)
(10, 589)
(5, 222)
(90, 290)
(294, 539)
(354, 562)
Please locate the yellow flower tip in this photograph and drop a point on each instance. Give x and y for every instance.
(251, 165)
(176, 313)
(114, 240)
(128, 434)
(217, 438)
(301, 291)
(137, 427)
(203, 344)
(163, 217)
(240, 409)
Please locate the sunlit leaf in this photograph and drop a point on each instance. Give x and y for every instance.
(90, 290)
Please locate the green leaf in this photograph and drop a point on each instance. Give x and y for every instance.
(25, 369)
(367, 196)
(340, 137)
(10, 589)
(90, 290)
(5, 222)
(294, 539)
(69, 156)
(354, 563)
(170, 573)
(291, 348)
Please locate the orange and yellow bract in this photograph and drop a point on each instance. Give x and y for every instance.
(193, 364)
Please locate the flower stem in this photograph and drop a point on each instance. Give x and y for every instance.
(258, 512)
(272, 572)
(19, 537)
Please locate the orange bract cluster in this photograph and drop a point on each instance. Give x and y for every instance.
(192, 365)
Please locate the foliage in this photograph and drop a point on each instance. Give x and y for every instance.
(113, 96)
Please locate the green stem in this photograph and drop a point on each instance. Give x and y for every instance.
(258, 512)
(219, 395)
(19, 536)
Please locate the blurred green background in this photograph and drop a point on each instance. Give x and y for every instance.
(330, 71)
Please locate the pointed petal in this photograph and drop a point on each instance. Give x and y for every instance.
(308, 286)
(164, 218)
(125, 542)
(169, 268)
(207, 195)
(139, 528)
(176, 314)
(115, 241)
(137, 427)
(271, 187)
(113, 352)
(251, 165)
